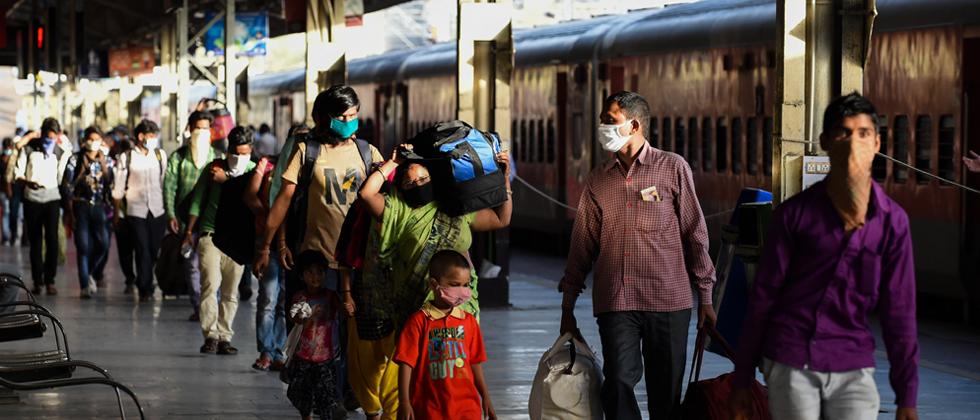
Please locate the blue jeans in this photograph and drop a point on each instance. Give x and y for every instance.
(193, 274)
(13, 219)
(91, 239)
(270, 319)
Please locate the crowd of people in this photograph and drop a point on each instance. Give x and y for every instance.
(399, 333)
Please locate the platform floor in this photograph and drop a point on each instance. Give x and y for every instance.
(153, 349)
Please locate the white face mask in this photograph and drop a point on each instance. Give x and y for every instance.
(152, 143)
(610, 138)
(93, 146)
(200, 143)
(237, 164)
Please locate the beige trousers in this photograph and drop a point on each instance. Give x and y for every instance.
(800, 394)
(218, 272)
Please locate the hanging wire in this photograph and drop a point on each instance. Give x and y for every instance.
(951, 182)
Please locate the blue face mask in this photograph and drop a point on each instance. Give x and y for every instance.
(343, 129)
(48, 145)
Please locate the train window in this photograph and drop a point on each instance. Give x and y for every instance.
(736, 145)
(900, 133)
(760, 100)
(748, 61)
(665, 145)
(721, 145)
(707, 163)
(525, 143)
(578, 135)
(679, 146)
(771, 59)
(654, 132)
(540, 141)
(879, 167)
(751, 146)
(551, 141)
(727, 63)
(692, 137)
(947, 141)
(513, 140)
(923, 147)
(767, 127)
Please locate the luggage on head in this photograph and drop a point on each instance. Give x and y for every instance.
(566, 385)
(462, 163)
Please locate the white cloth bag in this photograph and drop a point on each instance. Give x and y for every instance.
(566, 386)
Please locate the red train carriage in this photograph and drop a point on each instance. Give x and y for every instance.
(708, 70)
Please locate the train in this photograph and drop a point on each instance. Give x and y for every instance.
(708, 70)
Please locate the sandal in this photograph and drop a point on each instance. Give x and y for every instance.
(262, 363)
(277, 365)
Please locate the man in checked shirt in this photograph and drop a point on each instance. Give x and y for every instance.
(640, 226)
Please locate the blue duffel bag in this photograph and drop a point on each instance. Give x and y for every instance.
(463, 166)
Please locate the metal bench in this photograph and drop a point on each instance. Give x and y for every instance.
(54, 368)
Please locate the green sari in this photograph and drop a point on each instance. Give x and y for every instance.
(394, 281)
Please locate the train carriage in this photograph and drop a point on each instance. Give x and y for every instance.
(708, 70)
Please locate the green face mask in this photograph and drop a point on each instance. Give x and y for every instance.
(343, 129)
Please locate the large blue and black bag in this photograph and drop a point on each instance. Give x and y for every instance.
(462, 163)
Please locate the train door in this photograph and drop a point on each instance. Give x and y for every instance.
(562, 117)
(971, 141)
(282, 117)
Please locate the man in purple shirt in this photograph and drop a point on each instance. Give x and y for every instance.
(830, 259)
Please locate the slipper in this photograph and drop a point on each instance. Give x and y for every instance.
(262, 363)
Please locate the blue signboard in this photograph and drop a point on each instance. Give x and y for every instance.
(249, 35)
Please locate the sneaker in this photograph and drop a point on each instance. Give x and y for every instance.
(210, 346)
(225, 348)
(100, 283)
(129, 289)
(92, 287)
(86, 294)
(51, 290)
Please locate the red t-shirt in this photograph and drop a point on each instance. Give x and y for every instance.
(441, 352)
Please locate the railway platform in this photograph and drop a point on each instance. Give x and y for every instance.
(153, 349)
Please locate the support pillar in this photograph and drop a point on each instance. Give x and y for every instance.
(231, 67)
(183, 69)
(326, 63)
(822, 47)
(485, 64)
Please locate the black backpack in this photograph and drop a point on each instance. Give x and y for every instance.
(296, 216)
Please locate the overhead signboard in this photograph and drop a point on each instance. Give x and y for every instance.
(250, 35)
(131, 61)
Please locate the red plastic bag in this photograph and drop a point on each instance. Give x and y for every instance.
(708, 399)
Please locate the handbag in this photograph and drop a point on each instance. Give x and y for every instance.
(567, 383)
(292, 343)
(708, 399)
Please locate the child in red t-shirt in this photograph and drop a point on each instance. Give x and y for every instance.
(440, 351)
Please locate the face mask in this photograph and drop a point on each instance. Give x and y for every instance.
(48, 145)
(200, 143)
(454, 296)
(237, 164)
(609, 137)
(343, 129)
(93, 146)
(152, 143)
(8, 152)
(419, 196)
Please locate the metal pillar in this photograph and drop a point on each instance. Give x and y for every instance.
(326, 63)
(484, 66)
(823, 46)
(231, 67)
(183, 69)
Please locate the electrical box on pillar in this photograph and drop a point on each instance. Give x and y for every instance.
(485, 63)
(823, 46)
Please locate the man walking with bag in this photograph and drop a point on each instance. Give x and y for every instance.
(640, 225)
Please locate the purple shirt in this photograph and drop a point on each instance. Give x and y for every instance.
(817, 286)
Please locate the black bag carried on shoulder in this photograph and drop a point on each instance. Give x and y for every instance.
(463, 166)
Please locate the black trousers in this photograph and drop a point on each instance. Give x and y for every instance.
(148, 232)
(42, 222)
(126, 250)
(634, 344)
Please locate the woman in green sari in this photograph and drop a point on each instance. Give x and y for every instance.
(411, 230)
(407, 231)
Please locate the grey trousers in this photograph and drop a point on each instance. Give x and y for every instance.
(801, 394)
